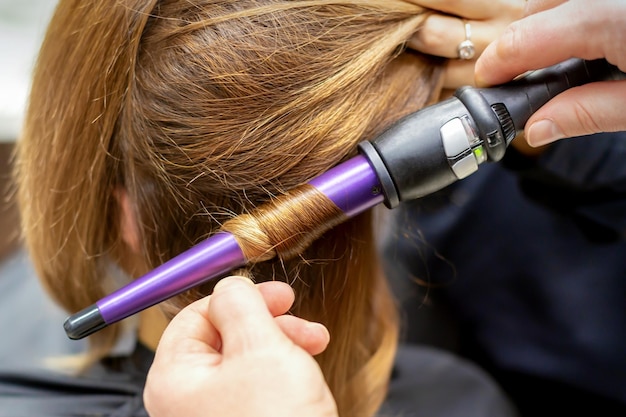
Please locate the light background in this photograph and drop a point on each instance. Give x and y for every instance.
(22, 26)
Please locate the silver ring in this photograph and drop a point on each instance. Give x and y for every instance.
(466, 49)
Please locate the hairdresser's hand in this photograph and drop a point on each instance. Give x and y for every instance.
(554, 31)
(444, 30)
(234, 354)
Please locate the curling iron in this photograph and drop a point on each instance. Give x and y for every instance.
(420, 154)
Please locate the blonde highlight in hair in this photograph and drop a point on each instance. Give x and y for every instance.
(213, 115)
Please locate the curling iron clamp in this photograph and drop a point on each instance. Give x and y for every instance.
(420, 154)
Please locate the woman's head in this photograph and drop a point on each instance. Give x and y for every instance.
(195, 112)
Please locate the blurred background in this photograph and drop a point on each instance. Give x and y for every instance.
(29, 323)
(22, 26)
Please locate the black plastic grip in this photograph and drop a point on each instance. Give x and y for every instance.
(409, 157)
(507, 108)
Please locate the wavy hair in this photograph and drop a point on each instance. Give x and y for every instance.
(203, 111)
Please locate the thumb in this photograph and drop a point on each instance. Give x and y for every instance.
(242, 318)
(591, 108)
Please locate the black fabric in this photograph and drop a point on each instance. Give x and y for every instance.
(433, 383)
(584, 179)
(112, 388)
(521, 268)
(426, 382)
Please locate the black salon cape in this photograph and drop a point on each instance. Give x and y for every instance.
(426, 382)
(111, 388)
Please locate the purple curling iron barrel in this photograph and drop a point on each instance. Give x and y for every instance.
(420, 154)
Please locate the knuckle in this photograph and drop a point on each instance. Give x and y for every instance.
(584, 117)
(433, 36)
(512, 41)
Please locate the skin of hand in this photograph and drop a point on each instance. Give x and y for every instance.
(445, 29)
(553, 31)
(236, 353)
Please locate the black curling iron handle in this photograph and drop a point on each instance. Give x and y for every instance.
(440, 144)
(514, 103)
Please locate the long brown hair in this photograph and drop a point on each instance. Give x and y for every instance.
(203, 111)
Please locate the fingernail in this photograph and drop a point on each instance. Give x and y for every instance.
(315, 326)
(232, 280)
(543, 132)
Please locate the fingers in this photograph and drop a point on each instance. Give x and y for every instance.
(440, 35)
(239, 313)
(312, 337)
(192, 329)
(547, 38)
(278, 296)
(445, 29)
(523, 47)
(591, 108)
(242, 318)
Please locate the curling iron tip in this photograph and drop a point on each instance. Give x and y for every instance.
(84, 323)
